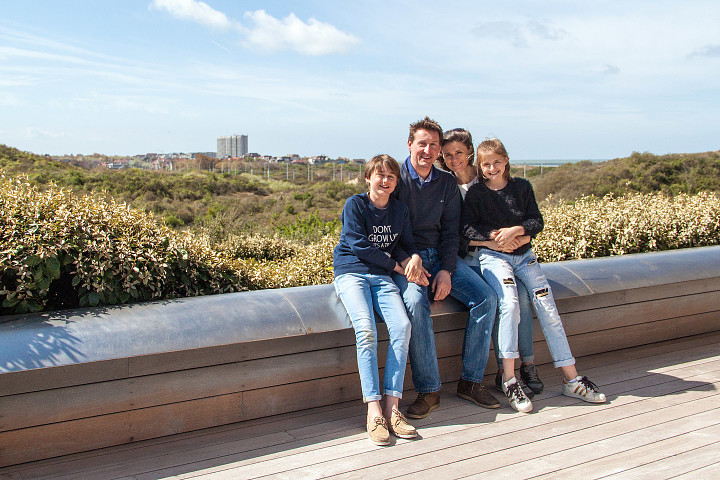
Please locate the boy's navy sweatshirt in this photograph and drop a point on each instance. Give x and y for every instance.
(485, 210)
(434, 211)
(372, 239)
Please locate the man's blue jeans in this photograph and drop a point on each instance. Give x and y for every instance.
(470, 289)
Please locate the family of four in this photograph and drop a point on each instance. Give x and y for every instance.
(422, 233)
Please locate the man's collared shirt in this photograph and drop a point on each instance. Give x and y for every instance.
(414, 175)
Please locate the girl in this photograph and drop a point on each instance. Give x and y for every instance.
(376, 239)
(502, 209)
(458, 153)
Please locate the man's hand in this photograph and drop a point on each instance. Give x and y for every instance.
(441, 285)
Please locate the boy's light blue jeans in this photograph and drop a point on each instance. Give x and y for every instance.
(362, 295)
(473, 292)
(500, 270)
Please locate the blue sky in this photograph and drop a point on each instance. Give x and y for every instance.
(553, 80)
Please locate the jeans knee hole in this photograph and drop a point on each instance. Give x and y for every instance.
(542, 292)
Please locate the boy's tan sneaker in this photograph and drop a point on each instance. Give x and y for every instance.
(399, 425)
(377, 429)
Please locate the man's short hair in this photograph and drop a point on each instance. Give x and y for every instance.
(428, 124)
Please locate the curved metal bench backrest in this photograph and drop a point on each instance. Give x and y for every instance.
(89, 335)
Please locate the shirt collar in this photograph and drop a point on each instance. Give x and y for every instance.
(414, 175)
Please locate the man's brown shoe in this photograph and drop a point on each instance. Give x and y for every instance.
(476, 393)
(423, 405)
(377, 429)
(399, 425)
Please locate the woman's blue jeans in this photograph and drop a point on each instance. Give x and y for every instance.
(363, 295)
(500, 271)
(474, 293)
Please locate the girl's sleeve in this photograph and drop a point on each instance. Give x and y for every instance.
(356, 236)
(533, 222)
(471, 219)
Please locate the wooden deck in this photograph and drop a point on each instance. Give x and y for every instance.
(662, 421)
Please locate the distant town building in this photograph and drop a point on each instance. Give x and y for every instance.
(235, 146)
(207, 154)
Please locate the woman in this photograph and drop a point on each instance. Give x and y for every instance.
(457, 156)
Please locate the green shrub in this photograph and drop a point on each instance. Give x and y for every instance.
(310, 265)
(258, 247)
(309, 229)
(58, 250)
(633, 223)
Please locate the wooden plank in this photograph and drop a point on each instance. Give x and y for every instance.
(14, 383)
(690, 464)
(97, 432)
(347, 454)
(240, 352)
(638, 313)
(83, 401)
(709, 472)
(634, 295)
(642, 453)
(558, 456)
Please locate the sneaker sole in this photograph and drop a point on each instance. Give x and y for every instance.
(417, 416)
(484, 405)
(404, 435)
(522, 411)
(586, 399)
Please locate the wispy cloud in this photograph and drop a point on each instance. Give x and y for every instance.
(311, 38)
(706, 51)
(195, 11)
(265, 32)
(519, 34)
(609, 70)
(99, 102)
(9, 100)
(36, 133)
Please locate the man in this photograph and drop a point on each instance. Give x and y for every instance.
(433, 198)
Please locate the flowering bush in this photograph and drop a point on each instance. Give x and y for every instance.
(58, 250)
(633, 223)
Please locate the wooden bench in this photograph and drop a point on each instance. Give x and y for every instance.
(85, 379)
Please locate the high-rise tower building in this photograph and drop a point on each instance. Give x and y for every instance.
(232, 146)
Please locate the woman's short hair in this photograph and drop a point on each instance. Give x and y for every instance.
(458, 135)
(490, 146)
(386, 162)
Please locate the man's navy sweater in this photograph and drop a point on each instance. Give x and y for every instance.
(434, 211)
(372, 239)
